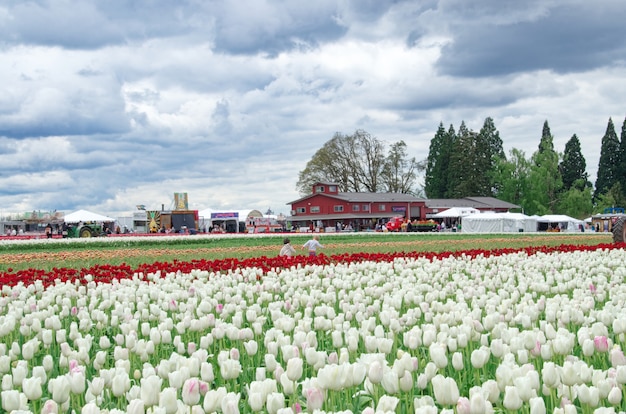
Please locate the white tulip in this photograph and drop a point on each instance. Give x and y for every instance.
(457, 361)
(438, 355)
(256, 401)
(375, 372)
(615, 396)
(275, 401)
(32, 388)
(150, 389)
(445, 389)
(512, 400)
(294, 368)
(168, 400)
(230, 403)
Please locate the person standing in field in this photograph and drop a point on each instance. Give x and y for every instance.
(287, 249)
(312, 245)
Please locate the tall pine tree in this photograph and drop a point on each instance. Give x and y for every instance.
(461, 164)
(573, 167)
(545, 179)
(608, 167)
(490, 151)
(547, 141)
(621, 170)
(436, 177)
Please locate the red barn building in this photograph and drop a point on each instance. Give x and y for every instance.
(327, 207)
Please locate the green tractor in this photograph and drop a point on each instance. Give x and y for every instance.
(84, 230)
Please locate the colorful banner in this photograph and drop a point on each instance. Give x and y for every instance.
(225, 215)
(181, 201)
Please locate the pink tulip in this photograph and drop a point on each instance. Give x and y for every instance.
(50, 407)
(601, 343)
(463, 406)
(191, 391)
(314, 398)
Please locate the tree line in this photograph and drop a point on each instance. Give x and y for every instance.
(470, 164)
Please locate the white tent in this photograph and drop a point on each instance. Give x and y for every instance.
(482, 223)
(456, 212)
(565, 223)
(498, 223)
(518, 222)
(86, 216)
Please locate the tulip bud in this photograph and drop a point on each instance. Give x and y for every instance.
(512, 400)
(191, 391)
(60, 388)
(50, 407)
(294, 368)
(150, 389)
(168, 400)
(213, 399)
(457, 361)
(445, 389)
(32, 388)
(10, 400)
(275, 401)
(230, 403)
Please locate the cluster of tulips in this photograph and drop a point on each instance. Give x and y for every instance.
(476, 332)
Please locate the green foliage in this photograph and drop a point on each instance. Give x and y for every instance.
(614, 197)
(437, 163)
(621, 161)
(573, 167)
(608, 167)
(547, 140)
(473, 162)
(545, 181)
(511, 177)
(576, 202)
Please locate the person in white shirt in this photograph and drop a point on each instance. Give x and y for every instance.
(287, 249)
(312, 245)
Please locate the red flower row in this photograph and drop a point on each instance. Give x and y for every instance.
(107, 273)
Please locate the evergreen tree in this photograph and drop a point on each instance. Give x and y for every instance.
(573, 167)
(608, 167)
(547, 141)
(490, 150)
(461, 164)
(436, 177)
(621, 171)
(545, 179)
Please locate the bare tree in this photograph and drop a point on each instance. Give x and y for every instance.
(358, 163)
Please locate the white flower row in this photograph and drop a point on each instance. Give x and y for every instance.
(543, 333)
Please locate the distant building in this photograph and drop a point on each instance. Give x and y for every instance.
(327, 207)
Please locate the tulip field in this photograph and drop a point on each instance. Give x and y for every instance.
(538, 329)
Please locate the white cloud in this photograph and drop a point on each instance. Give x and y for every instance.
(230, 104)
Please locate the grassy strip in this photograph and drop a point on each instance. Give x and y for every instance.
(83, 253)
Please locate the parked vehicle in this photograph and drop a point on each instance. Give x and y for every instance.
(84, 230)
(395, 224)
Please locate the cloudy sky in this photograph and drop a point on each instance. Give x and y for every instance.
(108, 104)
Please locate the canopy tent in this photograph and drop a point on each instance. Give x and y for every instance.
(498, 223)
(85, 217)
(518, 222)
(456, 212)
(560, 221)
